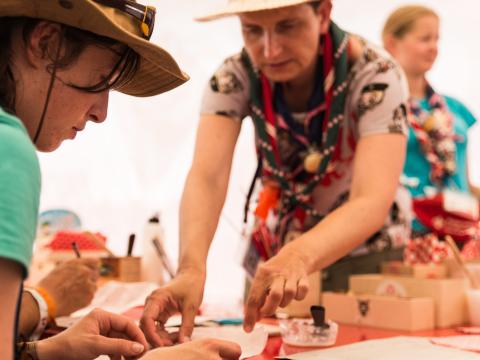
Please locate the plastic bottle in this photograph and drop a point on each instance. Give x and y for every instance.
(153, 268)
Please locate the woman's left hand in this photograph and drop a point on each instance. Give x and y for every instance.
(99, 333)
(277, 282)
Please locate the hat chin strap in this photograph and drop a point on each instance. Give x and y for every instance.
(49, 92)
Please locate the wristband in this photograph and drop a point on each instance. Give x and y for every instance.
(52, 305)
(44, 317)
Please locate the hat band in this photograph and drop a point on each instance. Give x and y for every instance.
(144, 14)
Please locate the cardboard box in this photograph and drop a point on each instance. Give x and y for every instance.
(384, 312)
(449, 295)
(419, 271)
(126, 268)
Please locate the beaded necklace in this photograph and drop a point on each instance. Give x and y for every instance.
(434, 131)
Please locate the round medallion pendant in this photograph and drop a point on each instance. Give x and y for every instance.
(312, 161)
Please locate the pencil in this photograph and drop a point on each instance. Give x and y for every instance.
(131, 242)
(163, 257)
(76, 250)
(461, 262)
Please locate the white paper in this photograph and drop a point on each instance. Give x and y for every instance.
(459, 202)
(118, 297)
(176, 321)
(463, 342)
(252, 344)
(397, 348)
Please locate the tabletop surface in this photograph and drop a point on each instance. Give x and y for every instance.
(347, 334)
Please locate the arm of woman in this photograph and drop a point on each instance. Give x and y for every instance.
(202, 202)
(11, 280)
(378, 164)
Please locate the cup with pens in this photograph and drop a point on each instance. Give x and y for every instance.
(121, 268)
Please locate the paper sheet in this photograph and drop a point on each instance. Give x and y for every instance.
(397, 348)
(117, 297)
(252, 344)
(463, 342)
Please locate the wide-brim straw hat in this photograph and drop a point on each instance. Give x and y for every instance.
(234, 7)
(158, 71)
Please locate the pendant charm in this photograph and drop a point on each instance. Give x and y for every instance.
(312, 161)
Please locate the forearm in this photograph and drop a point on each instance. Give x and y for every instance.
(10, 275)
(200, 210)
(341, 231)
(29, 315)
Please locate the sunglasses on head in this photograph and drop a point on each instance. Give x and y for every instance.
(144, 14)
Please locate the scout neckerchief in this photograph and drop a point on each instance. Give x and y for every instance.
(295, 198)
(434, 131)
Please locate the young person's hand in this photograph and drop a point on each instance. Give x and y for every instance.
(99, 333)
(72, 284)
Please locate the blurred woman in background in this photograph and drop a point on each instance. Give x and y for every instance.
(436, 169)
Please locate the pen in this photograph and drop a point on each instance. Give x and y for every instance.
(163, 257)
(75, 249)
(131, 242)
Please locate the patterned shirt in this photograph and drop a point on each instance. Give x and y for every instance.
(375, 104)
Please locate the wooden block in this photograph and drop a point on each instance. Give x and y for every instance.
(449, 295)
(384, 312)
(126, 269)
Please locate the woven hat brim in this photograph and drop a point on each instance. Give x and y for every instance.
(259, 5)
(158, 71)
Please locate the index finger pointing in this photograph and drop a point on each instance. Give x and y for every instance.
(255, 302)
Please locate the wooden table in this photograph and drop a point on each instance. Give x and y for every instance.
(347, 334)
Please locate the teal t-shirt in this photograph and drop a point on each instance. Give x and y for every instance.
(417, 168)
(19, 191)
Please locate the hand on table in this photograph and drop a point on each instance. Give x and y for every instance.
(205, 349)
(276, 283)
(72, 284)
(99, 333)
(183, 294)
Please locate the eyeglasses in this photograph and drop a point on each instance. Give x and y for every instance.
(145, 14)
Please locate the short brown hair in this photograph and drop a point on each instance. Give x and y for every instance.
(402, 20)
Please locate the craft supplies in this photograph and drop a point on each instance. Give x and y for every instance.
(312, 332)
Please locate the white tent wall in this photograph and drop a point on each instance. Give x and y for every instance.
(119, 173)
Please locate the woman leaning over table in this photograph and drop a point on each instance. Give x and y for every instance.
(58, 62)
(436, 168)
(329, 111)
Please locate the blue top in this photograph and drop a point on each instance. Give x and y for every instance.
(19, 191)
(418, 168)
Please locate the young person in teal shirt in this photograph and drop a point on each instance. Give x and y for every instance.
(58, 62)
(437, 157)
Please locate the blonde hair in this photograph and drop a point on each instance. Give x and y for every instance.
(402, 20)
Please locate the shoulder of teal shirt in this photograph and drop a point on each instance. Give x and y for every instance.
(19, 191)
(460, 110)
